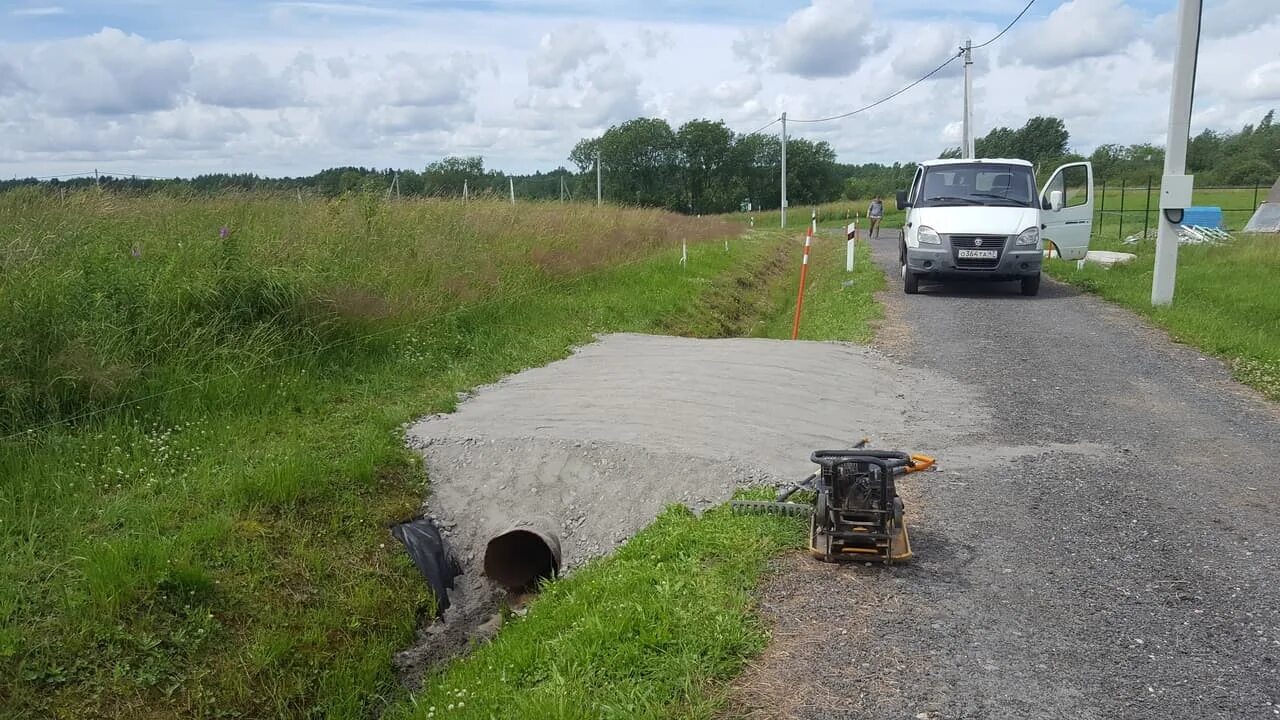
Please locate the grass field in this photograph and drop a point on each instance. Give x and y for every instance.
(213, 543)
(1113, 225)
(830, 215)
(1226, 302)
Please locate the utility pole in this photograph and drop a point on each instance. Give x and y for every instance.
(512, 183)
(464, 192)
(968, 150)
(784, 170)
(598, 186)
(561, 188)
(1175, 186)
(97, 182)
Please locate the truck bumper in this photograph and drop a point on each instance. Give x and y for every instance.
(942, 261)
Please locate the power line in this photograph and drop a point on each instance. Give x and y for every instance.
(926, 76)
(1006, 27)
(766, 125)
(886, 98)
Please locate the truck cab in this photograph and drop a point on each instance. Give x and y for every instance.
(984, 220)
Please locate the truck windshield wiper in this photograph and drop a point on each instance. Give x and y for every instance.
(1016, 203)
(949, 198)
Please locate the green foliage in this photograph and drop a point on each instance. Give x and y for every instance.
(704, 167)
(220, 550)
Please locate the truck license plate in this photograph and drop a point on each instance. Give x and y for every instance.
(969, 254)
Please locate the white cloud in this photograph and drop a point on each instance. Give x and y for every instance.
(1075, 30)
(245, 82)
(920, 49)
(192, 126)
(47, 11)
(1232, 17)
(654, 42)
(736, 92)
(338, 68)
(415, 80)
(829, 38)
(110, 73)
(1262, 83)
(563, 51)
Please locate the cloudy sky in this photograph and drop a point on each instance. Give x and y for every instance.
(164, 88)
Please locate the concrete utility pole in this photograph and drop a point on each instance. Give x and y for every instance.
(784, 170)
(464, 191)
(598, 185)
(512, 183)
(1175, 186)
(968, 149)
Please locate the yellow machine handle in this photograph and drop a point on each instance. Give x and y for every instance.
(920, 462)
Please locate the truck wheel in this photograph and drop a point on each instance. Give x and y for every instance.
(1031, 285)
(910, 280)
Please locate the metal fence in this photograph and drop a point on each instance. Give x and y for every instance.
(1125, 212)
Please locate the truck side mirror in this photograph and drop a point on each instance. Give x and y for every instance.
(902, 200)
(1055, 200)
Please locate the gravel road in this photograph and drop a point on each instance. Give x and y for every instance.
(1108, 547)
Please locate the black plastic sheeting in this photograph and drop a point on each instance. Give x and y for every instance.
(433, 556)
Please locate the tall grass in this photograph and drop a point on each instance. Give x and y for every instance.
(110, 298)
(212, 543)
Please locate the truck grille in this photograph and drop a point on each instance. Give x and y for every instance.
(989, 242)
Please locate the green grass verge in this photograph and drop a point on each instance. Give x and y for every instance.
(221, 550)
(837, 305)
(651, 631)
(1226, 301)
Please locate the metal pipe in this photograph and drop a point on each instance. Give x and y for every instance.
(523, 556)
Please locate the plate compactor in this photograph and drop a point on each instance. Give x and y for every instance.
(856, 511)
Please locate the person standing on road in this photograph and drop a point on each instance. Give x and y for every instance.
(875, 213)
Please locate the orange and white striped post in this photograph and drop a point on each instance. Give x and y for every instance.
(804, 273)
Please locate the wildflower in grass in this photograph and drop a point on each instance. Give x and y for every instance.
(224, 232)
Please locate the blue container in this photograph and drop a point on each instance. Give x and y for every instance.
(1204, 216)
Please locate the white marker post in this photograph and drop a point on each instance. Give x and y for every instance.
(684, 253)
(851, 246)
(1175, 186)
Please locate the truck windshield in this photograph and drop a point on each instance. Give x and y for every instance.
(977, 184)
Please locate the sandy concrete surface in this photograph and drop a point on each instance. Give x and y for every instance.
(594, 446)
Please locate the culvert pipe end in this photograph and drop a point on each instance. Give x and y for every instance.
(521, 557)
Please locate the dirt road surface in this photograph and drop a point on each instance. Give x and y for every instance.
(1139, 578)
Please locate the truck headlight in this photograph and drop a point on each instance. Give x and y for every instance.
(926, 235)
(1030, 236)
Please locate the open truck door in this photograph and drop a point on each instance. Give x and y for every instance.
(1066, 212)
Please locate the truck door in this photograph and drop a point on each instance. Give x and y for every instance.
(1069, 224)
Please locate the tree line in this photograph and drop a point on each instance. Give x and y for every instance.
(703, 166)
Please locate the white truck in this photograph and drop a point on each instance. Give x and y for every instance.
(984, 220)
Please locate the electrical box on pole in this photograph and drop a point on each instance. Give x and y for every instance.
(1176, 186)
